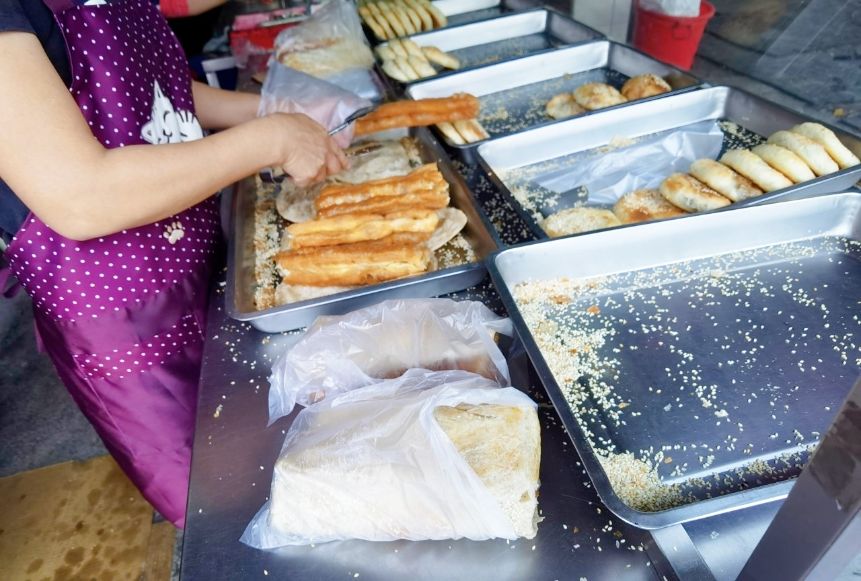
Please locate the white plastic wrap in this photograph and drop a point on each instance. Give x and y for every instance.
(289, 91)
(614, 171)
(338, 354)
(673, 7)
(330, 45)
(374, 464)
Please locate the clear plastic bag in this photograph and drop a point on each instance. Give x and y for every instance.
(288, 91)
(330, 45)
(377, 464)
(338, 354)
(611, 172)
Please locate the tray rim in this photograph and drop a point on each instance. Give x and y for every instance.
(819, 184)
(696, 510)
(382, 289)
(472, 148)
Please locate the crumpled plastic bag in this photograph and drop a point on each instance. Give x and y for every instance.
(609, 174)
(289, 91)
(338, 354)
(330, 45)
(673, 7)
(376, 464)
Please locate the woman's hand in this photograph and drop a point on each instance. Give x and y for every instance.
(305, 151)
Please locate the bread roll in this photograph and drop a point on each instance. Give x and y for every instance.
(691, 194)
(826, 138)
(597, 96)
(563, 105)
(755, 169)
(578, 220)
(811, 152)
(441, 58)
(643, 86)
(723, 180)
(785, 162)
(645, 205)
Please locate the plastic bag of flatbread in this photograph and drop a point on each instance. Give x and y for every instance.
(341, 353)
(430, 455)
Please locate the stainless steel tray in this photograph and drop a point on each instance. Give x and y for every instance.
(506, 37)
(241, 280)
(731, 339)
(562, 142)
(513, 94)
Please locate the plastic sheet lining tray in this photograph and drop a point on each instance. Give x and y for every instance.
(244, 244)
(694, 363)
(519, 163)
(514, 94)
(504, 38)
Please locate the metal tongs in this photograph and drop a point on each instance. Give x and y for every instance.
(272, 176)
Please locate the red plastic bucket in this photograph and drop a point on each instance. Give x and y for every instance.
(672, 39)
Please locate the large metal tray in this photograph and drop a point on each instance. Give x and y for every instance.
(506, 37)
(561, 143)
(514, 94)
(758, 308)
(241, 280)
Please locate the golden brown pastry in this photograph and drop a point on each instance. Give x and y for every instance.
(827, 139)
(813, 154)
(593, 96)
(441, 58)
(563, 105)
(723, 180)
(755, 169)
(690, 194)
(419, 113)
(645, 205)
(362, 263)
(785, 162)
(643, 86)
(350, 228)
(427, 177)
(578, 220)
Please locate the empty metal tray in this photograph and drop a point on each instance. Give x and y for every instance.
(717, 348)
(514, 94)
(516, 161)
(242, 281)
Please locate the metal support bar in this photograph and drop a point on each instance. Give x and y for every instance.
(811, 535)
(681, 553)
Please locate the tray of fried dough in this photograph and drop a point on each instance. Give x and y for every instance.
(399, 223)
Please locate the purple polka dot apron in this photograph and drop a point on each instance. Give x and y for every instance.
(122, 317)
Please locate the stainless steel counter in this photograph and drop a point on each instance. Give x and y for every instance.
(232, 466)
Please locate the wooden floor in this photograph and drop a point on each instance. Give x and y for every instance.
(80, 520)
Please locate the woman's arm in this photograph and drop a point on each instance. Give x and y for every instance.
(219, 109)
(49, 158)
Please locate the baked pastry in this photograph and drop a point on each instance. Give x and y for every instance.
(563, 105)
(362, 263)
(644, 205)
(451, 222)
(422, 13)
(578, 220)
(643, 86)
(421, 66)
(827, 139)
(723, 180)
(755, 169)
(690, 194)
(394, 70)
(597, 96)
(350, 228)
(418, 113)
(451, 133)
(443, 59)
(785, 162)
(471, 130)
(813, 154)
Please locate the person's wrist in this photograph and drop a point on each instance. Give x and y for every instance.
(275, 138)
